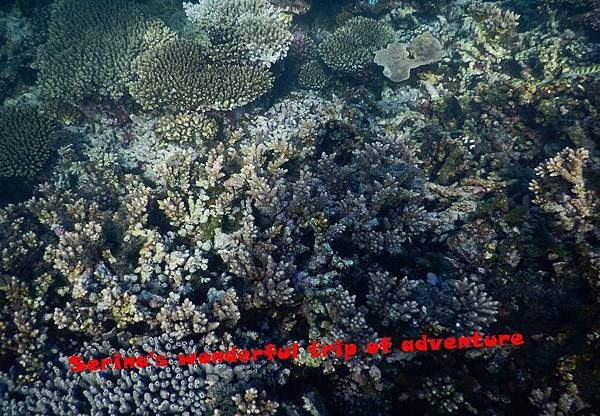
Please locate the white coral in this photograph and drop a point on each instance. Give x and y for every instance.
(256, 26)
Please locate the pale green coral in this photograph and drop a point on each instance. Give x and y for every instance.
(176, 77)
(91, 47)
(352, 46)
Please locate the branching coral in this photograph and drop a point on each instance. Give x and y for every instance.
(492, 24)
(91, 48)
(442, 394)
(352, 46)
(168, 77)
(187, 127)
(561, 191)
(229, 86)
(195, 202)
(24, 289)
(312, 76)
(24, 142)
(151, 390)
(254, 30)
(390, 298)
(255, 403)
(104, 290)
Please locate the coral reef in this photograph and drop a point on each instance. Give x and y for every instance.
(186, 178)
(91, 47)
(24, 142)
(351, 47)
(255, 30)
(176, 77)
(396, 59)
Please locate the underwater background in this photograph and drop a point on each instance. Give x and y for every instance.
(187, 176)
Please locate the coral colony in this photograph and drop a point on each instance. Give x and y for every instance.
(299, 207)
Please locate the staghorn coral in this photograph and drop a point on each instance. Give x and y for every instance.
(24, 142)
(561, 191)
(253, 30)
(351, 47)
(91, 48)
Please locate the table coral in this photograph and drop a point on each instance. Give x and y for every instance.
(177, 77)
(91, 47)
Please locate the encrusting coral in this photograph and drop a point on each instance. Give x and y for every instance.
(177, 76)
